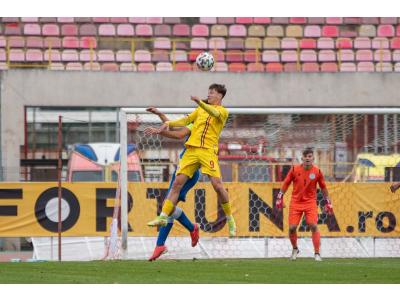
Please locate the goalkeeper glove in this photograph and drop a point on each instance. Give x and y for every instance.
(279, 201)
(328, 207)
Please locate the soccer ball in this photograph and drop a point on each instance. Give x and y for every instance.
(205, 61)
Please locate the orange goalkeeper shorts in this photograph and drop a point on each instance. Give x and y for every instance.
(296, 213)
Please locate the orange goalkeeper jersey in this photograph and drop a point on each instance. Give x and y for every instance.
(304, 183)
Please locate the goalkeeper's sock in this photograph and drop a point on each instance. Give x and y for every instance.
(184, 220)
(316, 238)
(293, 239)
(163, 233)
(227, 209)
(168, 208)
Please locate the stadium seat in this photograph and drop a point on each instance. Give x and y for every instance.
(219, 30)
(199, 43)
(382, 55)
(352, 20)
(106, 30)
(398, 30)
(325, 43)
(83, 19)
(32, 29)
(70, 42)
(119, 20)
(291, 67)
(270, 56)
(217, 43)
(100, 19)
(316, 20)
(396, 55)
(125, 30)
(275, 30)
(298, 20)
(244, 20)
(87, 29)
(29, 20)
(308, 55)
(160, 56)
(145, 67)
(255, 67)
(362, 43)
(3, 55)
(162, 43)
(345, 55)
(280, 20)
(65, 20)
(388, 20)
(142, 56)
(162, 30)
(208, 20)
(348, 32)
(237, 67)
(3, 42)
(16, 55)
(365, 66)
(235, 43)
(154, 20)
(69, 55)
(50, 30)
(397, 67)
(69, 29)
(123, 56)
(91, 66)
(105, 55)
(256, 30)
(384, 67)
(74, 66)
(16, 42)
(88, 55)
(200, 30)
(46, 20)
(385, 30)
(308, 44)
(164, 67)
(218, 55)
(289, 56)
(326, 56)
(137, 20)
(364, 55)
(34, 55)
(10, 19)
(127, 67)
(12, 29)
(181, 30)
(289, 43)
(183, 66)
(53, 55)
(271, 43)
(56, 67)
(87, 42)
(144, 30)
(344, 43)
(395, 43)
(226, 20)
(274, 67)
(252, 56)
(330, 31)
(347, 67)
(253, 43)
(109, 67)
(178, 56)
(334, 20)
(294, 31)
(370, 20)
(312, 31)
(221, 67)
(237, 30)
(193, 54)
(367, 31)
(310, 67)
(380, 43)
(234, 56)
(261, 20)
(52, 42)
(329, 67)
(33, 42)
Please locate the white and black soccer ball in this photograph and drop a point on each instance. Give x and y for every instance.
(205, 61)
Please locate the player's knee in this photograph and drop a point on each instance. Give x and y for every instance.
(313, 227)
(292, 228)
(177, 185)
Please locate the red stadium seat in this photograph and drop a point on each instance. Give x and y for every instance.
(219, 30)
(310, 67)
(260, 20)
(398, 30)
(255, 67)
(237, 30)
(164, 67)
(348, 67)
(53, 55)
(217, 43)
(29, 19)
(154, 20)
(208, 20)
(50, 30)
(380, 43)
(334, 20)
(144, 30)
(221, 67)
(179, 56)
(384, 67)
(16, 42)
(162, 43)
(289, 43)
(235, 43)
(199, 43)
(280, 20)
(329, 67)
(365, 67)
(142, 56)
(386, 30)
(326, 55)
(146, 67)
(32, 29)
(162, 30)
(237, 67)
(87, 42)
(193, 54)
(105, 55)
(364, 55)
(106, 30)
(325, 43)
(382, 55)
(119, 20)
(346, 55)
(69, 29)
(274, 67)
(125, 30)
(88, 55)
(234, 56)
(308, 44)
(252, 56)
(109, 67)
(388, 20)
(69, 55)
(344, 43)
(312, 31)
(74, 66)
(183, 66)
(181, 30)
(87, 29)
(91, 66)
(34, 55)
(395, 43)
(123, 56)
(70, 42)
(308, 55)
(52, 42)
(289, 56)
(160, 56)
(362, 43)
(330, 31)
(297, 20)
(127, 67)
(200, 30)
(12, 29)
(291, 67)
(100, 19)
(244, 20)
(33, 42)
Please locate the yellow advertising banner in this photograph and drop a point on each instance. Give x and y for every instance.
(30, 209)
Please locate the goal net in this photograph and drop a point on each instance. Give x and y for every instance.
(357, 149)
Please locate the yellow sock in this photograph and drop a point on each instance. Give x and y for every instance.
(227, 209)
(168, 207)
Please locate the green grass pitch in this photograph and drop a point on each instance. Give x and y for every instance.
(377, 270)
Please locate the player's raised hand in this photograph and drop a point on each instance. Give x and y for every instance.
(279, 201)
(153, 110)
(195, 99)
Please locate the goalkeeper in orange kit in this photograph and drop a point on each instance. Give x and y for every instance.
(305, 177)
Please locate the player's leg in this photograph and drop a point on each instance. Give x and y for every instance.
(163, 233)
(312, 221)
(294, 220)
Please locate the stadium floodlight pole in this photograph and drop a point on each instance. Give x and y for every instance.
(124, 182)
(59, 228)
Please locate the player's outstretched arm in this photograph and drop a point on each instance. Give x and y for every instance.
(207, 107)
(179, 134)
(394, 187)
(154, 110)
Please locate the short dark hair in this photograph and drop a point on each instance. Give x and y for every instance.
(220, 88)
(308, 151)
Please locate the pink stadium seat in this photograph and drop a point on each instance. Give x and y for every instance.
(91, 66)
(179, 56)
(137, 20)
(234, 56)
(237, 67)
(32, 29)
(346, 55)
(325, 43)
(298, 20)
(164, 67)
(69, 55)
(280, 20)
(237, 30)
(348, 32)
(289, 56)
(87, 42)
(386, 30)
(83, 19)
(154, 20)
(289, 43)
(259, 20)
(255, 67)
(270, 56)
(388, 20)
(326, 55)
(105, 55)
(308, 55)
(127, 67)
(218, 55)
(244, 20)
(310, 67)
(380, 43)
(183, 66)
(144, 30)
(362, 43)
(395, 43)
(162, 30)
(52, 42)
(142, 56)
(397, 67)
(118, 20)
(17, 55)
(100, 19)
(69, 29)
(312, 31)
(348, 67)
(74, 66)
(34, 42)
(344, 43)
(2, 55)
(34, 55)
(291, 67)
(275, 30)
(370, 20)
(12, 29)
(65, 20)
(181, 30)
(29, 19)
(365, 66)
(330, 31)
(364, 55)
(208, 20)
(352, 20)
(193, 54)
(384, 67)
(396, 55)
(146, 67)
(199, 43)
(308, 44)
(329, 67)
(382, 55)
(3, 42)
(217, 43)
(106, 30)
(53, 55)
(274, 67)
(398, 30)
(235, 43)
(125, 30)
(221, 67)
(162, 43)
(200, 30)
(334, 20)
(87, 29)
(88, 55)
(70, 42)
(50, 29)
(123, 56)
(252, 56)
(10, 20)
(160, 55)
(226, 20)
(109, 67)
(16, 42)
(56, 66)
(316, 20)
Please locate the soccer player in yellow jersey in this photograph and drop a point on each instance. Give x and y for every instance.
(201, 151)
